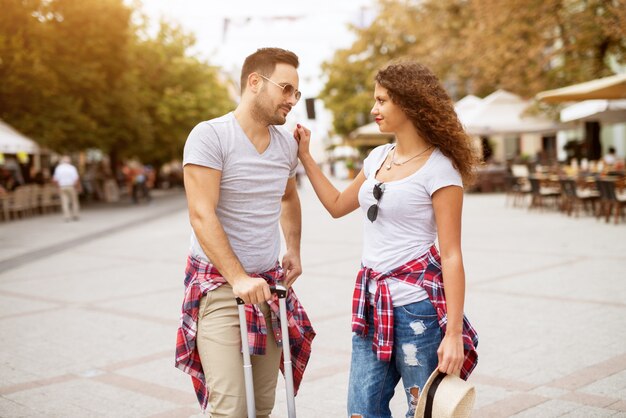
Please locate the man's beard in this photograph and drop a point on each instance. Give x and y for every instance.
(264, 114)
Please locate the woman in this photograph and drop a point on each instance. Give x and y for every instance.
(410, 192)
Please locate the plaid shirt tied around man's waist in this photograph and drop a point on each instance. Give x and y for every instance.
(202, 277)
(425, 272)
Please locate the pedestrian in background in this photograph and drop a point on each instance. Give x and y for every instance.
(239, 173)
(410, 194)
(67, 178)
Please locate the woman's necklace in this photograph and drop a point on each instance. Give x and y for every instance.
(393, 158)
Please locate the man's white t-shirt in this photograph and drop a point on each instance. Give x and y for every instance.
(251, 188)
(65, 175)
(405, 227)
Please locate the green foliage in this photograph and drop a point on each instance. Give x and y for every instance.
(79, 74)
(478, 46)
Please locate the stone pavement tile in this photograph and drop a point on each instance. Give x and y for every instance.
(509, 406)
(494, 265)
(161, 305)
(145, 387)
(520, 230)
(619, 406)
(557, 408)
(12, 409)
(88, 398)
(479, 378)
(529, 340)
(317, 253)
(48, 232)
(593, 373)
(487, 395)
(11, 306)
(566, 283)
(588, 400)
(101, 283)
(17, 238)
(135, 239)
(75, 340)
(613, 386)
(163, 373)
(591, 412)
(324, 298)
(179, 413)
(314, 400)
(50, 268)
(338, 275)
(26, 381)
(327, 397)
(550, 392)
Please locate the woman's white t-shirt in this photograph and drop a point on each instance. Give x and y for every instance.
(405, 227)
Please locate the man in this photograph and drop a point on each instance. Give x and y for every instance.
(239, 173)
(610, 158)
(66, 177)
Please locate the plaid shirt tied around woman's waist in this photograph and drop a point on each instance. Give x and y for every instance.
(425, 272)
(202, 277)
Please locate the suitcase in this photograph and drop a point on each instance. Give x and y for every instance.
(281, 292)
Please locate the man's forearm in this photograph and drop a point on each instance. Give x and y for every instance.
(215, 244)
(291, 222)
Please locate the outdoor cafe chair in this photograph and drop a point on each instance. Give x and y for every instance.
(574, 198)
(50, 198)
(540, 194)
(516, 189)
(19, 201)
(610, 201)
(4, 206)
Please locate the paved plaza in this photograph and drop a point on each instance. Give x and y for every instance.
(89, 311)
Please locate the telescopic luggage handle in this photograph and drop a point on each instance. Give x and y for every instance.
(281, 292)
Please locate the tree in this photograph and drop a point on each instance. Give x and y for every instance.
(80, 74)
(478, 46)
(178, 92)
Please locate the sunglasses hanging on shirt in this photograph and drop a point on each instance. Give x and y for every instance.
(372, 212)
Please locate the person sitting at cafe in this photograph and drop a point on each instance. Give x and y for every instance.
(610, 158)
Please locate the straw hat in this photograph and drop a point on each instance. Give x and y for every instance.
(451, 397)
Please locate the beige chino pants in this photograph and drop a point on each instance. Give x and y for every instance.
(69, 202)
(219, 345)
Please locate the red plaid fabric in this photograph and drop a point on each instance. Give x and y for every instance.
(425, 272)
(202, 277)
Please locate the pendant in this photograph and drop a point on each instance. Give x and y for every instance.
(388, 166)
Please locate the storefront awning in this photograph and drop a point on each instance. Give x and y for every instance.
(613, 87)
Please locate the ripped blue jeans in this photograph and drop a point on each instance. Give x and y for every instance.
(416, 338)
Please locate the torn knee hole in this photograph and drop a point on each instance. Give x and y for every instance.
(414, 392)
(356, 416)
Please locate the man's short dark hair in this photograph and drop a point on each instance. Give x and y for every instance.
(264, 61)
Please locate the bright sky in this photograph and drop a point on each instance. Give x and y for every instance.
(311, 29)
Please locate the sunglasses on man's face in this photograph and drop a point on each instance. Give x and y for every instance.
(372, 212)
(288, 89)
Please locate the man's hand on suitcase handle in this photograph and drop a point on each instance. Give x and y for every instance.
(280, 290)
(252, 290)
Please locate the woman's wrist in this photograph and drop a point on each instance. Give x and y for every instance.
(454, 331)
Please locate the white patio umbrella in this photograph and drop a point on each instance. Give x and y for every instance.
(368, 135)
(605, 111)
(503, 112)
(466, 107)
(12, 142)
(613, 87)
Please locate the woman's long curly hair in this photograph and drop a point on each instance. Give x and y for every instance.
(418, 92)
